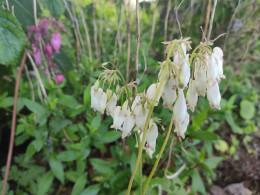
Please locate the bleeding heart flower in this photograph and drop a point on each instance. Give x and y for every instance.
(43, 26)
(56, 41)
(59, 78)
(192, 96)
(214, 96)
(169, 93)
(180, 108)
(48, 51)
(37, 56)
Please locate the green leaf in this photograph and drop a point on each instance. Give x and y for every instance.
(57, 168)
(230, 120)
(247, 109)
(86, 95)
(79, 185)
(24, 11)
(110, 136)
(198, 120)
(67, 156)
(96, 121)
(12, 39)
(203, 135)
(100, 165)
(7, 102)
(197, 184)
(45, 183)
(91, 190)
(221, 145)
(56, 7)
(212, 162)
(68, 101)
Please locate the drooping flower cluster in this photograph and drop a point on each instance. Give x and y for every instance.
(42, 39)
(198, 74)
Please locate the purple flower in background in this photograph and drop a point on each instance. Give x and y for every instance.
(59, 78)
(43, 26)
(51, 64)
(56, 41)
(48, 51)
(37, 56)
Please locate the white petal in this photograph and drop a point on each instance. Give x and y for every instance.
(214, 96)
(212, 73)
(181, 128)
(103, 102)
(118, 118)
(151, 92)
(169, 93)
(200, 79)
(111, 104)
(140, 113)
(192, 96)
(180, 107)
(152, 134)
(128, 125)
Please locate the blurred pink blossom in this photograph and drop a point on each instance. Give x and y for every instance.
(37, 56)
(59, 78)
(56, 41)
(48, 50)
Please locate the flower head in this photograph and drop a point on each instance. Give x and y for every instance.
(56, 41)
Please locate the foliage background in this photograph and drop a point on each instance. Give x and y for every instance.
(63, 147)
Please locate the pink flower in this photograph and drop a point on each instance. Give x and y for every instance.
(56, 41)
(37, 56)
(48, 51)
(59, 78)
(51, 64)
(43, 26)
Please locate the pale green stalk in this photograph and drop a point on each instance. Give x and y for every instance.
(165, 68)
(159, 155)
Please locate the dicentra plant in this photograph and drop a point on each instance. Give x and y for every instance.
(183, 77)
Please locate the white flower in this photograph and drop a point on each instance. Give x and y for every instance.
(169, 93)
(118, 118)
(212, 73)
(140, 113)
(181, 127)
(151, 92)
(192, 96)
(94, 98)
(111, 104)
(200, 79)
(150, 139)
(102, 101)
(136, 101)
(180, 107)
(128, 125)
(218, 54)
(184, 73)
(214, 96)
(98, 99)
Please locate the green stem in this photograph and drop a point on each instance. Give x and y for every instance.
(140, 150)
(159, 155)
(140, 168)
